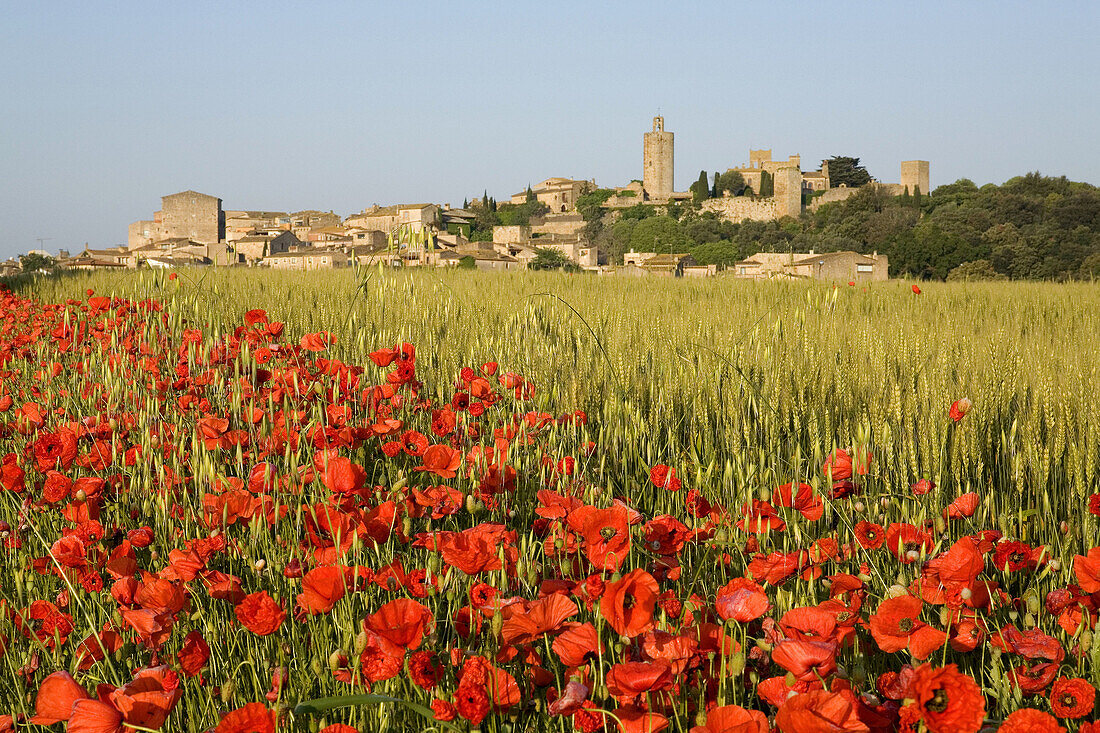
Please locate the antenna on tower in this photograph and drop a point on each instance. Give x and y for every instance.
(40, 240)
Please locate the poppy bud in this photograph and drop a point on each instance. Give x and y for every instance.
(858, 506)
(227, 691)
(945, 616)
(260, 565)
(335, 659)
(361, 642)
(497, 624)
(1085, 640)
(400, 483)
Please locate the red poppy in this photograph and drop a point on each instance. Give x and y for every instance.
(400, 625)
(576, 645)
(733, 719)
(317, 341)
(741, 600)
(840, 464)
(442, 460)
(869, 535)
(260, 613)
(56, 696)
(947, 700)
(916, 290)
(630, 679)
(959, 408)
(1087, 569)
(543, 616)
(606, 534)
(820, 711)
(906, 542)
(194, 653)
(896, 625)
(322, 589)
(1029, 720)
(627, 604)
(1072, 697)
(808, 504)
(664, 477)
(252, 718)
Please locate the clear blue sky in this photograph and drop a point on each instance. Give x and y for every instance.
(105, 107)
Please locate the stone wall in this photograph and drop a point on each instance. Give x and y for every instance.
(742, 208)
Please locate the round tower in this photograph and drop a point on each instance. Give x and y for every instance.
(657, 161)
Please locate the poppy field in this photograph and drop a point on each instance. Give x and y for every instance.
(367, 500)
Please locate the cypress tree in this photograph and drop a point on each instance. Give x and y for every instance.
(916, 196)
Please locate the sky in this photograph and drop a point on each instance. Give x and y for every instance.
(106, 107)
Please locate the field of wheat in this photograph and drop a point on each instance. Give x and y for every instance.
(259, 501)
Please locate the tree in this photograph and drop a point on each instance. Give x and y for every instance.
(467, 263)
(530, 194)
(700, 190)
(551, 259)
(660, 234)
(731, 182)
(714, 186)
(846, 170)
(767, 184)
(35, 262)
(974, 270)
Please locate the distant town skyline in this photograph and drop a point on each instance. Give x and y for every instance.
(343, 105)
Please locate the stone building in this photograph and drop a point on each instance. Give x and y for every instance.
(559, 194)
(415, 217)
(834, 266)
(658, 161)
(188, 214)
(242, 223)
(308, 260)
(255, 247)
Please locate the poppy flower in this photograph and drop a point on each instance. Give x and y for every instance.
(627, 604)
(399, 625)
(733, 719)
(916, 290)
(1072, 698)
(322, 589)
(543, 616)
(869, 535)
(56, 696)
(1087, 570)
(948, 701)
(1012, 556)
(606, 534)
(922, 487)
(260, 613)
(317, 341)
(896, 625)
(820, 710)
(802, 498)
(1029, 720)
(906, 542)
(664, 477)
(806, 660)
(627, 680)
(194, 653)
(959, 408)
(252, 718)
(442, 460)
(576, 645)
(964, 506)
(840, 465)
(741, 600)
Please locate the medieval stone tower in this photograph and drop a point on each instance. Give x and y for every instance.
(658, 161)
(914, 173)
(788, 192)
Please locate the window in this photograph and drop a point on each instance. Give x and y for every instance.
(865, 268)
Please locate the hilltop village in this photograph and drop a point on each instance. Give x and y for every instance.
(546, 223)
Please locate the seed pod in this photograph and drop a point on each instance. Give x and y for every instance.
(335, 659)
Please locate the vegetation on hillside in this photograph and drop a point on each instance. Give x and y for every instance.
(1030, 227)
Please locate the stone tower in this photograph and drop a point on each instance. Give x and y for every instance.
(657, 161)
(914, 173)
(788, 192)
